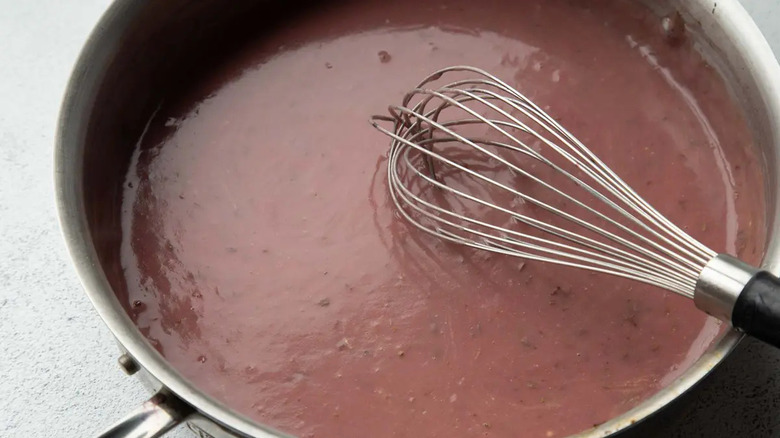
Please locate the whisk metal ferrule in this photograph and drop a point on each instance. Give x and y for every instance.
(720, 284)
(736, 292)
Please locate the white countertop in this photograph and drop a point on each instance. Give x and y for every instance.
(58, 372)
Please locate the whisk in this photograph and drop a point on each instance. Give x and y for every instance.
(476, 163)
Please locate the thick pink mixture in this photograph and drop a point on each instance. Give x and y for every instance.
(264, 260)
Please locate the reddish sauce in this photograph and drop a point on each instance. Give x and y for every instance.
(263, 257)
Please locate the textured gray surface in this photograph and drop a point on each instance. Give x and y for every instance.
(57, 361)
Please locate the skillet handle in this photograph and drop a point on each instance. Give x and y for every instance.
(155, 417)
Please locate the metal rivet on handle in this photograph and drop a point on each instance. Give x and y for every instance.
(128, 364)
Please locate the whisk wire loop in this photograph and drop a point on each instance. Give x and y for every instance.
(614, 260)
(525, 128)
(432, 133)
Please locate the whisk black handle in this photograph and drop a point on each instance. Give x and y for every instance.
(757, 310)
